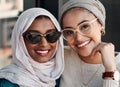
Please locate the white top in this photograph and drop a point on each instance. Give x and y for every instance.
(80, 74)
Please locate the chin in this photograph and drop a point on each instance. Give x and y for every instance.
(43, 61)
(85, 54)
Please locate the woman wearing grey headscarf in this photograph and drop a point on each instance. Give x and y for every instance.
(37, 49)
(89, 62)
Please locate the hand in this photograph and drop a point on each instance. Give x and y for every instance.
(108, 55)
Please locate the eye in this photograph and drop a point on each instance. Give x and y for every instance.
(68, 32)
(84, 26)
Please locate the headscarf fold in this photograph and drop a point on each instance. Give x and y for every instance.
(23, 70)
(94, 6)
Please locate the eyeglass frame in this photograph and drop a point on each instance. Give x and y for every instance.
(75, 29)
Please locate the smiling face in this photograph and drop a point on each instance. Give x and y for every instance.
(43, 50)
(82, 43)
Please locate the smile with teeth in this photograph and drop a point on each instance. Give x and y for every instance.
(42, 52)
(84, 44)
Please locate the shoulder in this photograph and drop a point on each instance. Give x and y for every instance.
(117, 57)
(117, 60)
(70, 56)
(67, 50)
(6, 83)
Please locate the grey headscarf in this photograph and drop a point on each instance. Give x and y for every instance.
(94, 6)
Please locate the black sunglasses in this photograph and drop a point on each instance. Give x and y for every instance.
(35, 37)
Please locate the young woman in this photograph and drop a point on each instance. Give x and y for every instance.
(37, 51)
(89, 62)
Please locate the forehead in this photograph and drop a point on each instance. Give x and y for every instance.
(77, 8)
(42, 25)
(77, 11)
(75, 15)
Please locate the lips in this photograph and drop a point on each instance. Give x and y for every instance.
(84, 44)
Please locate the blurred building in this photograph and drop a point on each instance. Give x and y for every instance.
(9, 11)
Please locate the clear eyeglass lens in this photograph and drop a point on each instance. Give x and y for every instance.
(68, 34)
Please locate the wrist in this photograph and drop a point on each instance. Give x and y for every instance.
(115, 75)
(112, 69)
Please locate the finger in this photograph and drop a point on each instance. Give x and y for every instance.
(98, 48)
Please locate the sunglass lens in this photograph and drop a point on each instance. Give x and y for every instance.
(34, 38)
(53, 36)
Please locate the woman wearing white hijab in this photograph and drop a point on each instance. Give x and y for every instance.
(37, 50)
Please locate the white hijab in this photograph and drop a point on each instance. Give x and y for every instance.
(23, 70)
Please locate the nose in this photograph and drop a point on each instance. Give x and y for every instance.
(79, 36)
(43, 42)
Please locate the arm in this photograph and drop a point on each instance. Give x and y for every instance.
(108, 60)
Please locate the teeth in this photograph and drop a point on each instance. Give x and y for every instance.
(43, 52)
(83, 44)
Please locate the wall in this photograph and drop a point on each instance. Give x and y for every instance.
(112, 22)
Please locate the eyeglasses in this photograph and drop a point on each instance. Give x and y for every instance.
(84, 27)
(35, 37)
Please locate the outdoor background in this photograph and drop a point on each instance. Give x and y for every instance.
(11, 9)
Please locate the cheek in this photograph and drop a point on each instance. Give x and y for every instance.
(71, 43)
(96, 37)
(54, 45)
(29, 47)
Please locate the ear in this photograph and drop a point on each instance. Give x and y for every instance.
(102, 31)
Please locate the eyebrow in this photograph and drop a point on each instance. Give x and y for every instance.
(32, 31)
(82, 22)
(78, 23)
